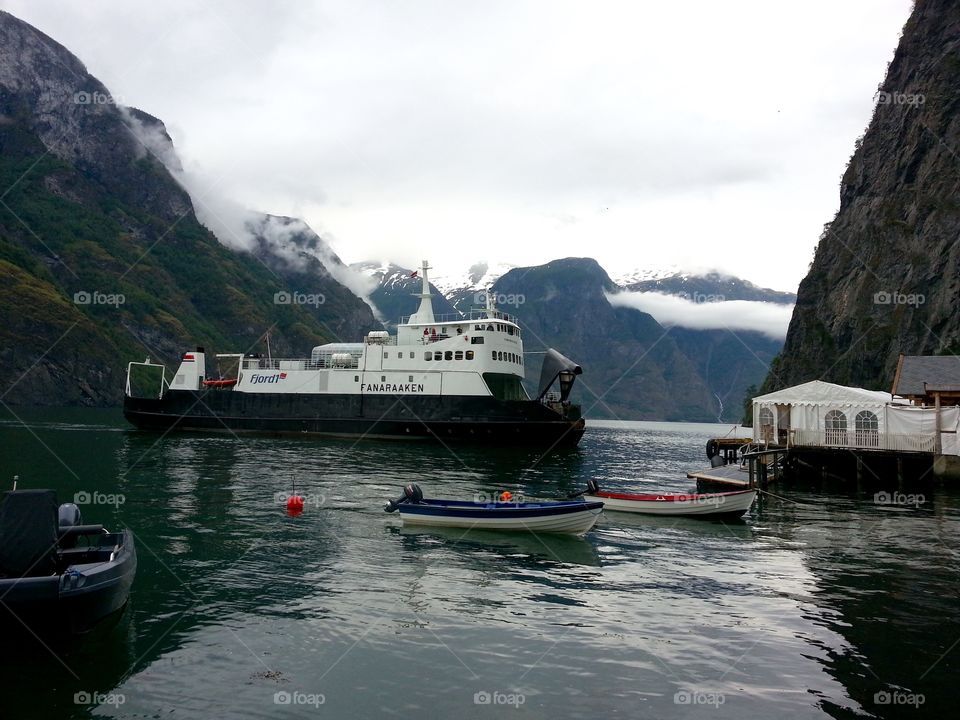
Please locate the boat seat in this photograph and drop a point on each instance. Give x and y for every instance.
(28, 533)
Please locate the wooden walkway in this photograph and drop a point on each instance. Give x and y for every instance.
(727, 475)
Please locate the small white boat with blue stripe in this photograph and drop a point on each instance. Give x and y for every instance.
(569, 516)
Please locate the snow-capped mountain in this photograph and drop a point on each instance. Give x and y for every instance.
(465, 290)
(646, 274)
(395, 290)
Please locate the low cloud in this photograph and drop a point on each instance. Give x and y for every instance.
(771, 319)
(238, 227)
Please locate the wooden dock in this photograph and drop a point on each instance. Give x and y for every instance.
(756, 468)
(728, 476)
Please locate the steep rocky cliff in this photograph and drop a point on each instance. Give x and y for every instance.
(102, 258)
(886, 275)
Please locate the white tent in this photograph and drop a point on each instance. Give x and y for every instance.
(823, 414)
(805, 407)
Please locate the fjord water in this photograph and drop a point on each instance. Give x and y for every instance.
(818, 604)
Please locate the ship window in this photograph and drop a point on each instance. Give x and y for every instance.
(448, 355)
(458, 355)
(505, 387)
(478, 327)
(493, 354)
(356, 378)
(509, 330)
(399, 355)
(475, 340)
(383, 378)
(469, 354)
(427, 355)
(386, 355)
(489, 328)
(410, 378)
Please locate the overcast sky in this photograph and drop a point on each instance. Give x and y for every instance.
(703, 134)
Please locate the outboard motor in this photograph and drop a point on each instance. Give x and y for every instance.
(411, 493)
(593, 487)
(68, 516)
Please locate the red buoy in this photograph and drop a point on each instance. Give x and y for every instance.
(294, 505)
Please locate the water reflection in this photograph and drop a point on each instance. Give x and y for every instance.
(811, 605)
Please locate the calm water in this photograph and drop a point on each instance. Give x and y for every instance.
(809, 608)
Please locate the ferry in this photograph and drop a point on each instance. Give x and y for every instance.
(448, 378)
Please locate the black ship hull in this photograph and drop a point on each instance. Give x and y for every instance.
(394, 417)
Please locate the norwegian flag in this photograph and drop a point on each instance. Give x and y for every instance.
(414, 273)
(283, 376)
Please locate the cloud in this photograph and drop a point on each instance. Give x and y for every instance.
(771, 319)
(531, 129)
(240, 228)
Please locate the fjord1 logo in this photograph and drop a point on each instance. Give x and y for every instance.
(270, 378)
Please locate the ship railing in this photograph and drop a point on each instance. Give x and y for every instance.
(469, 315)
(321, 361)
(154, 386)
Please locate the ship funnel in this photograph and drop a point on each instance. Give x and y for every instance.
(191, 372)
(424, 313)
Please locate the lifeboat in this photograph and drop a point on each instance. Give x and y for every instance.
(225, 382)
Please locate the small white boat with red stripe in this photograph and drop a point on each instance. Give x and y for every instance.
(702, 505)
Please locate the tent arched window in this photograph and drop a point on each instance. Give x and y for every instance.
(835, 424)
(766, 424)
(867, 429)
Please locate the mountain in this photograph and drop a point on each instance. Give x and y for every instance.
(394, 290)
(655, 373)
(709, 287)
(102, 257)
(886, 274)
(466, 291)
(633, 368)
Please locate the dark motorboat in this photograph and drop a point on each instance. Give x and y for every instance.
(56, 573)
